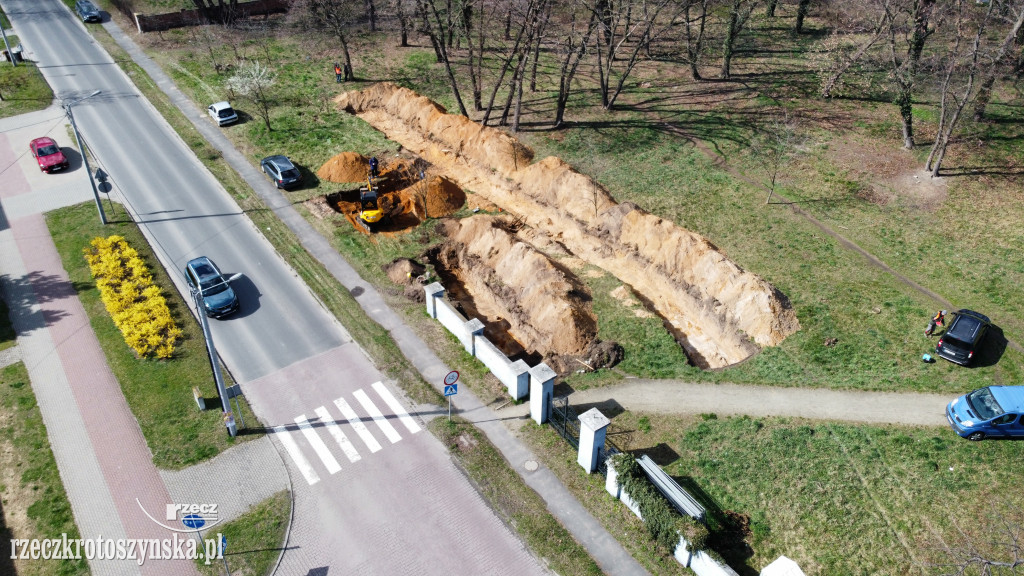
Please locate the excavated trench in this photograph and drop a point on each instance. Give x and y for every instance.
(719, 312)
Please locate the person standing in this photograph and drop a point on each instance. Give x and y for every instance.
(938, 320)
(337, 73)
(373, 167)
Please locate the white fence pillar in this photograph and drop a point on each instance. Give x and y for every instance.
(593, 426)
(542, 387)
(470, 330)
(433, 292)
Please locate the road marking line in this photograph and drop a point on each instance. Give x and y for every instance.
(318, 445)
(293, 450)
(396, 407)
(339, 436)
(357, 424)
(379, 418)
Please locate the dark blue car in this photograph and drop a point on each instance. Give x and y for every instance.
(205, 279)
(993, 411)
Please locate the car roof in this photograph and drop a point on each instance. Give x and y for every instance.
(1011, 398)
(967, 324)
(220, 105)
(281, 161)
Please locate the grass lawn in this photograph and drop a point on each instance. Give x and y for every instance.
(515, 502)
(254, 540)
(22, 87)
(33, 503)
(159, 392)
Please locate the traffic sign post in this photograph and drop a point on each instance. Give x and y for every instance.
(223, 546)
(451, 389)
(195, 521)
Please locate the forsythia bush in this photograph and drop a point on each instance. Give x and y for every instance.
(133, 301)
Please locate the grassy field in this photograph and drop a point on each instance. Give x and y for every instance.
(254, 540)
(159, 392)
(22, 87)
(33, 503)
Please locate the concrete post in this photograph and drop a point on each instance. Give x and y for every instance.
(542, 386)
(593, 426)
(471, 329)
(433, 292)
(521, 370)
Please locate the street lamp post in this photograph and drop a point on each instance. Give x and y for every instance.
(229, 420)
(81, 150)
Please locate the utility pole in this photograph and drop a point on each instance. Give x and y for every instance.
(81, 150)
(229, 419)
(8, 47)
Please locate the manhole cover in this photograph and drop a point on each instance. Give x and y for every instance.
(531, 465)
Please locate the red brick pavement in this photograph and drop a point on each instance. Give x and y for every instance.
(120, 448)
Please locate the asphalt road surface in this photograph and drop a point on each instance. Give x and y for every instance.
(374, 492)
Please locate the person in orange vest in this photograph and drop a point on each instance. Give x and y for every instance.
(938, 320)
(337, 73)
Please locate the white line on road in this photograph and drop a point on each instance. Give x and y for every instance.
(318, 445)
(379, 418)
(396, 407)
(339, 436)
(293, 450)
(357, 424)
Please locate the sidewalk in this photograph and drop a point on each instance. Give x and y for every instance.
(104, 462)
(603, 547)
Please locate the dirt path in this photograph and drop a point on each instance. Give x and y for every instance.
(688, 398)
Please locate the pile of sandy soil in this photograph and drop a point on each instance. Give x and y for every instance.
(403, 270)
(720, 313)
(444, 197)
(345, 167)
(546, 310)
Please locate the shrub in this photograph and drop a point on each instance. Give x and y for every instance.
(135, 304)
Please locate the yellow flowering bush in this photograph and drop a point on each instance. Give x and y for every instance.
(126, 287)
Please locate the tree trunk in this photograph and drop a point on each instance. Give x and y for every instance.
(729, 45)
(371, 15)
(695, 41)
(770, 11)
(983, 98)
(801, 13)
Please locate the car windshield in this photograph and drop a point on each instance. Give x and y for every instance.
(48, 150)
(225, 112)
(290, 173)
(213, 286)
(984, 404)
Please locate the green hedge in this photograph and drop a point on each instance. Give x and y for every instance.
(663, 522)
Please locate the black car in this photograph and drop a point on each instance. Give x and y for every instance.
(88, 11)
(281, 171)
(205, 279)
(960, 342)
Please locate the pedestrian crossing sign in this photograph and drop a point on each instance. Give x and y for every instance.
(451, 390)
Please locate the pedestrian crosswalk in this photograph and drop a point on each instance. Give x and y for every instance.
(307, 436)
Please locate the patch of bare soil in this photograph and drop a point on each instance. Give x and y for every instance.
(723, 311)
(890, 172)
(511, 283)
(408, 193)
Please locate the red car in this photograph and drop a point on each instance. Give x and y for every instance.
(48, 154)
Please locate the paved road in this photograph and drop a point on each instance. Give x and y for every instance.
(384, 496)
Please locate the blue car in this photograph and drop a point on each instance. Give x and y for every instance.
(205, 279)
(993, 411)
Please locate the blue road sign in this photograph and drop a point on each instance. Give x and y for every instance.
(451, 390)
(194, 521)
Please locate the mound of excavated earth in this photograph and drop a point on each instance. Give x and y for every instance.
(345, 167)
(722, 311)
(510, 280)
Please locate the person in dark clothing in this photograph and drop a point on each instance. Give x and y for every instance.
(938, 320)
(373, 167)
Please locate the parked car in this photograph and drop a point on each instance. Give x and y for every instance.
(222, 113)
(993, 411)
(204, 277)
(961, 340)
(88, 11)
(48, 154)
(281, 171)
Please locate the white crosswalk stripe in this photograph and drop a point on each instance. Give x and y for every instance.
(318, 445)
(357, 424)
(396, 407)
(377, 416)
(339, 436)
(293, 450)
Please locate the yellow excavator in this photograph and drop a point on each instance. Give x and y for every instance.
(370, 212)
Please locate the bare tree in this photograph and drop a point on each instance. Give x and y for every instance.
(774, 147)
(400, 10)
(839, 59)
(573, 38)
(1015, 15)
(371, 14)
(958, 85)
(333, 18)
(635, 23)
(770, 9)
(739, 13)
(801, 14)
(695, 15)
(439, 24)
(987, 548)
(909, 22)
(254, 81)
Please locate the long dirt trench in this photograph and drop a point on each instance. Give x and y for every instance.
(724, 312)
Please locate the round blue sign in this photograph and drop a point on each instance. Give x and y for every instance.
(193, 521)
